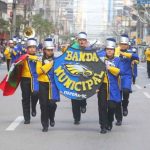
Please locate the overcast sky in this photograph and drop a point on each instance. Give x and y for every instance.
(96, 16)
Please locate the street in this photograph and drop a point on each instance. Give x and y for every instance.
(134, 134)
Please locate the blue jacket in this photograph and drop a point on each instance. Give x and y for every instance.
(54, 92)
(134, 70)
(113, 80)
(15, 54)
(34, 81)
(126, 69)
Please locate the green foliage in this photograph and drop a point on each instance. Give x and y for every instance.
(4, 25)
(42, 26)
(64, 37)
(19, 21)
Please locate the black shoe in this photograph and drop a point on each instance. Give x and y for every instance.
(52, 123)
(27, 122)
(33, 113)
(109, 126)
(76, 122)
(45, 129)
(83, 109)
(125, 112)
(103, 131)
(119, 123)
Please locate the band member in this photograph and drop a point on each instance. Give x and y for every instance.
(16, 52)
(29, 82)
(23, 47)
(147, 54)
(19, 46)
(109, 92)
(134, 67)
(7, 53)
(48, 91)
(79, 106)
(126, 57)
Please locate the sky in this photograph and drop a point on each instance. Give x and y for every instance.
(96, 16)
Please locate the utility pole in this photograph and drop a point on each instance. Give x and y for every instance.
(25, 15)
(14, 18)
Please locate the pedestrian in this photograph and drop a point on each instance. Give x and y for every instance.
(147, 55)
(16, 50)
(79, 106)
(109, 92)
(134, 67)
(48, 91)
(29, 83)
(126, 58)
(8, 52)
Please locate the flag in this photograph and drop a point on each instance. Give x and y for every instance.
(11, 81)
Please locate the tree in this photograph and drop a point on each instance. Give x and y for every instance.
(19, 22)
(4, 25)
(42, 26)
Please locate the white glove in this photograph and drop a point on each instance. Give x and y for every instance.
(10, 50)
(46, 61)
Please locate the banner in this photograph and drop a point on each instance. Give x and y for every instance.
(12, 79)
(79, 73)
(143, 1)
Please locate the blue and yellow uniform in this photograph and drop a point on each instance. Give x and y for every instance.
(112, 79)
(147, 54)
(109, 97)
(48, 91)
(29, 71)
(29, 86)
(134, 70)
(15, 54)
(7, 53)
(112, 76)
(46, 75)
(23, 49)
(126, 59)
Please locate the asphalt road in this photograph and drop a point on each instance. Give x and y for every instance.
(134, 134)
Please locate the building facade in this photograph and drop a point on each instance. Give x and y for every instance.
(3, 10)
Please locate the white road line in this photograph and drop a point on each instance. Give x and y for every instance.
(146, 94)
(15, 123)
(138, 87)
(141, 67)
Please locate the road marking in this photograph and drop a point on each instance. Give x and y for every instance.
(146, 94)
(147, 85)
(15, 123)
(138, 87)
(141, 67)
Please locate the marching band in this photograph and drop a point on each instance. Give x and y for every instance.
(37, 79)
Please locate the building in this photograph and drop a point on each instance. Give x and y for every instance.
(142, 14)
(59, 12)
(110, 11)
(93, 17)
(79, 17)
(3, 10)
(97, 19)
(64, 19)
